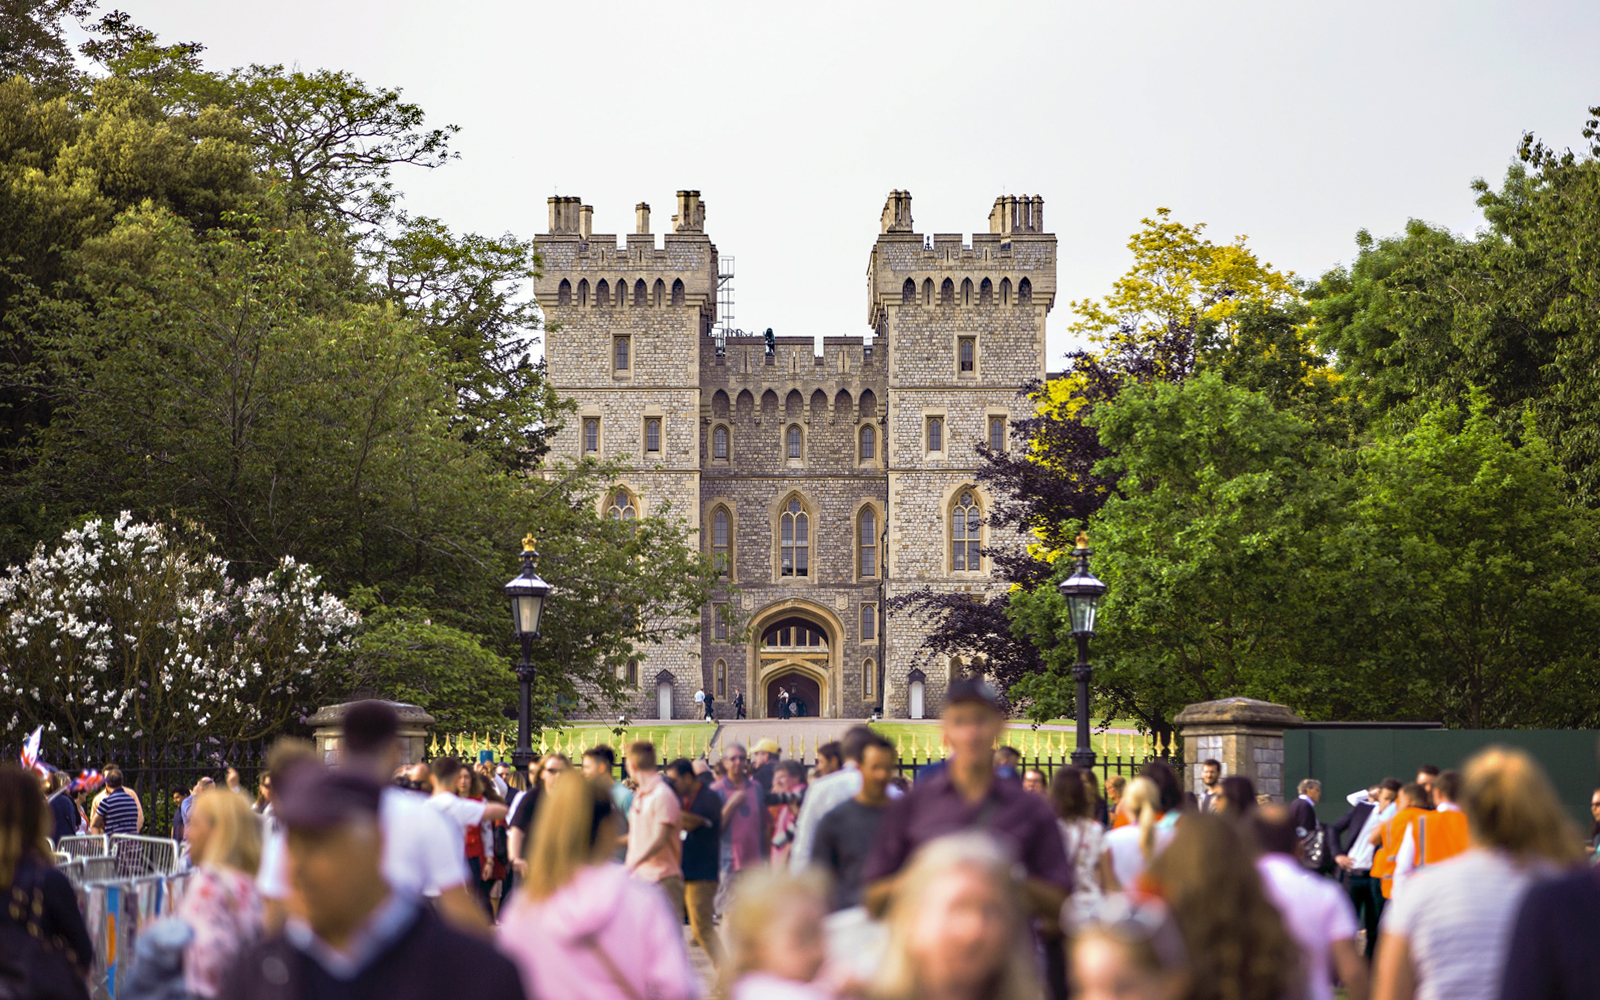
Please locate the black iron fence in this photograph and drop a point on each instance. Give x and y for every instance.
(160, 774)
(1105, 766)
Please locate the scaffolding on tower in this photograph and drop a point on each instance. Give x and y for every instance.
(725, 328)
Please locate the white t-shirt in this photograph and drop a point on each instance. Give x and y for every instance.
(1127, 859)
(422, 853)
(462, 812)
(1316, 912)
(1457, 916)
(1085, 841)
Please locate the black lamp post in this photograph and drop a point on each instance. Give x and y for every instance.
(526, 593)
(1082, 592)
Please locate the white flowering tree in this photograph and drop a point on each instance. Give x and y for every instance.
(134, 631)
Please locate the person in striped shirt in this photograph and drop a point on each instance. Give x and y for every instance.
(119, 810)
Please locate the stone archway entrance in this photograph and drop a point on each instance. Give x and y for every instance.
(794, 650)
(805, 696)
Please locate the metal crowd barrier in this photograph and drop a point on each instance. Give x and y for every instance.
(115, 909)
(84, 847)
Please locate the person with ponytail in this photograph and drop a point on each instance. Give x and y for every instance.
(1134, 846)
(579, 925)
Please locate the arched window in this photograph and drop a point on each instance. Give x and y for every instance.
(661, 292)
(868, 543)
(721, 540)
(795, 632)
(1005, 291)
(621, 506)
(869, 678)
(677, 291)
(583, 292)
(640, 293)
(719, 443)
(936, 434)
(908, 293)
(965, 526)
(967, 349)
(621, 346)
(997, 434)
(986, 293)
(794, 540)
(652, 435)
(795, 441)
(1024, 292)
(927, 291)
(966, 291)
(722, 678)
(602, 293)
(591, 436)
(869, 443)
(564, 293)
(633, 672)
(947, 293)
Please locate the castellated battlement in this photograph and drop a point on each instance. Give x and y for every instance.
(584, 270)
(1014, 264)
(745, 361)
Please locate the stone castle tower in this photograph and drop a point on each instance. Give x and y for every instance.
(825, 484)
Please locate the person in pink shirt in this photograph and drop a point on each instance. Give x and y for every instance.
(580, 926)
(745, 841)
(655, 849)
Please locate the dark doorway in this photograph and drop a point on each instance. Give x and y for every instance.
(805, 698)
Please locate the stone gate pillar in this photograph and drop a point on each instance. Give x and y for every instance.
(1246, 735)
(328, 723)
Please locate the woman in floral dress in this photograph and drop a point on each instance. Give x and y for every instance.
(220, 903)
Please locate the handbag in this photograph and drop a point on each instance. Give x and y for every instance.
(1316, 854)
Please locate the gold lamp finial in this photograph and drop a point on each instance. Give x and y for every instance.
(528, 544)
(1083, 539)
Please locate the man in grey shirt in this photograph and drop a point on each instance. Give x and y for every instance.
(847, 832)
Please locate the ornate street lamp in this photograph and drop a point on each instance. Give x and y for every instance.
(527, 593)
(1083, 593)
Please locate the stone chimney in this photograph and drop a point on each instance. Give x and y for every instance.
(1017, 214)
(585, 221)
(691, 217)
(641, 214)
(897, 213)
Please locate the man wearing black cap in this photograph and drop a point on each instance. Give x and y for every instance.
(358, 938)
(967, 795)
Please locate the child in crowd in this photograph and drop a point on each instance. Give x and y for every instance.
(776, 944)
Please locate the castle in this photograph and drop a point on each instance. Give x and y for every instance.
(823, 485)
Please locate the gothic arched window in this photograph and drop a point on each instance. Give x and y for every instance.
(867, 544)
(947, 293)
(997, 434)
(795, 441)
(794, 539)
(936, 434)
(564, 293)
(908, 293)
(621, 346)
(869, 443)
(719, 442)
(621, 506)
(591, 436)
(721, 540)
(966, 524)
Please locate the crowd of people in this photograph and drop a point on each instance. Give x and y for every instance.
(980, 879)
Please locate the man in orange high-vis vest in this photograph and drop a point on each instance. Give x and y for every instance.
(1389, 836)
(1436, 836)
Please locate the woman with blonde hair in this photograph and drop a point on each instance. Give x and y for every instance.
(579, 926)
(1238, 946)
(775, 937)
(1448, 934)
(1132, 847)
(221, 904)
(957, 930)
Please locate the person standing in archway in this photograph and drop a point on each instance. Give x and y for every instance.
(738, 704)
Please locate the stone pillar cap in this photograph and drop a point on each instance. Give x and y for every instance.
(333, 715)
(1238, 712)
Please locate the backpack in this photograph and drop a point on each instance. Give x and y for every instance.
(31, 968)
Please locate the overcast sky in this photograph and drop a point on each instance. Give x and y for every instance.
(1294, 123)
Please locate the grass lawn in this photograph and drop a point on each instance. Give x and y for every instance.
(690, 739)
(922, 740)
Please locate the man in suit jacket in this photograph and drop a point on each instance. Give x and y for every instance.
(1369, 809)
(1304, 809)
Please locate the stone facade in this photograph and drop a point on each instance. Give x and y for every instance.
(861, 457)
